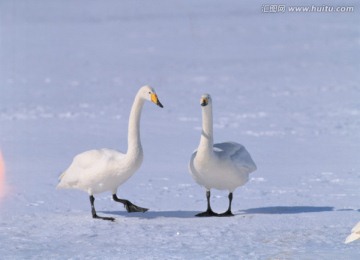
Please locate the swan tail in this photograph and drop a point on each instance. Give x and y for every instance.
(352, 237)
(62, 183)
(355, 234)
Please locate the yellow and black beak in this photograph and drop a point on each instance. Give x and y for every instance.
(155, 100)
(204, 102)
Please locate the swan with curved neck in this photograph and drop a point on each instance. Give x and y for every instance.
(97, 171)
(222, 166)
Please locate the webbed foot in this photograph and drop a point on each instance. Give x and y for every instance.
(208, 213)
(128, 205)
(133, 208)
(227, 213)
(104, 218)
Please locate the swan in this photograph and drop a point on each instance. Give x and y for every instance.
(97, 171)
(221, 166)
(355, 234)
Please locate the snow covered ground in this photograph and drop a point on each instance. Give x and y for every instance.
(286, 85)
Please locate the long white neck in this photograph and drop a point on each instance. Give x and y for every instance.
(206, 140)
(134, 143)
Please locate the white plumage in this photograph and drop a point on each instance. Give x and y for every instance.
(96, 171)
(355, 234)
(222, 166)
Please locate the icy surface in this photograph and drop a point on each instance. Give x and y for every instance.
(284, 85)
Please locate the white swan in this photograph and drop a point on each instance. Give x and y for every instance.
(222, 166)
(355, 234)
(96, 171)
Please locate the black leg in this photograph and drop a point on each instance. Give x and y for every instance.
(93, 211)
(228, 213)
(209, 212)
(128, 205)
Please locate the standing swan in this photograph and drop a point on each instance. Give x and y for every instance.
(96, 171)
(222, 166)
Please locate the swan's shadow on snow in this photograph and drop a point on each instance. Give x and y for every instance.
(191, 214)
(155, 214)
(285, 210)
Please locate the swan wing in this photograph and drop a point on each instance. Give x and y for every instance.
(92, 158)
(237, 153)
(192, 169)
(89, 163)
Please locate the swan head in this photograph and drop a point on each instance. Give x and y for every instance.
(205, 100)
(149, 94)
